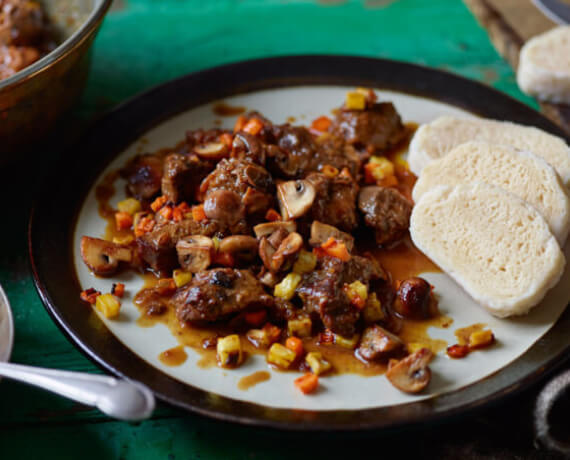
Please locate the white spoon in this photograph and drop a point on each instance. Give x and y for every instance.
(118, 398)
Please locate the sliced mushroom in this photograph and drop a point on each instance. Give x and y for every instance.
(269, 279)
(258, 177)
(269, 227)
(277, 237)
(103, 257)
(195, 253)
(212, 151)
(266, 252)
(257, 202)
(242, 247)
(320, 233)
(291, 245)
(411, 374)
(378, 343)
(295, 198)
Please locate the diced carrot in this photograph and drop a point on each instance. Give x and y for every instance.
(145, 225)
(329, 171)
(307, 383)
(89, 295)
(256, 318)
(240, 123)
(158, 203)
(368, 173)
(272, 215)
(224, 258)
(253, 126)
(165, 286)
(118, 289)
(166, 212)
(321, 124)
(458, 351)
(273, 332)
(123, 220)
(335, 248)
(227, 139)
(180, 211)
(198, 213)
(295, 344)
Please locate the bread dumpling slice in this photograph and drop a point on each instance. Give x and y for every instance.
(544, 66)
(520, 172)
(436, 139)
(494, 244)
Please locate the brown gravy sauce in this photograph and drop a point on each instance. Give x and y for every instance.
(401, 261)
(223, 109)
(245, 383)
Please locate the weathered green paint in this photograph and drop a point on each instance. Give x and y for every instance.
(146, 42)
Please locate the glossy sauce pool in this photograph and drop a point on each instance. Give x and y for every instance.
(402, 261)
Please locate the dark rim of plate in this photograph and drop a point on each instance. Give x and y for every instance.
(52, 225)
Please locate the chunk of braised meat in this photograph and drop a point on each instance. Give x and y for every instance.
(144, 175)
(378, 343)
(182, 176)
(377, 128)
(216, 294)
(334, 151)
(22, 23)
(335, 200)
(323, 290)
(386, 211)
(321, 233)
(158, 247)
(237, 192)
(296, 148)
(252, 148)
(203, 136)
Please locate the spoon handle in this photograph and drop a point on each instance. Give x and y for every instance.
(118, 398)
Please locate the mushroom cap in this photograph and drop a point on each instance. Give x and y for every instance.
(295, 198)
(411, 374)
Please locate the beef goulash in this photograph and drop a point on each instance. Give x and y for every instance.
(271, 235)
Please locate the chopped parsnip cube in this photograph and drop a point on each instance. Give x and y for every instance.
(373, 310)
(129, 205)
(355, 100)
(306, 262)
(181, 277)
(109, 305)
(280, 356)
(286, 288)
(300, 327)
(228, 351)
(316, 362)
(346, 342)
(479, 339)
(381, 167)
(357, 291)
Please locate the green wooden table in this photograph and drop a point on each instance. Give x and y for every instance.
(146, 42)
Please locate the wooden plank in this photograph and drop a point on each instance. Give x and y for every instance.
(510, 23)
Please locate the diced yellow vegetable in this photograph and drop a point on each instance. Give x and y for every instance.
(481, 338)
(316, 362)
(300, 327)
(281, 356)
(381, 167)
(364, 91)
(216, 242)
(306, 262)
(415, 346)
(258, 337)
(357, 289)
(401, 161)
(229, 352)
(109, 305)
(286, 288)
(127, 239)
(373, 310)
(181, 277)
(346, 342)
(130, 205)
(355, 100)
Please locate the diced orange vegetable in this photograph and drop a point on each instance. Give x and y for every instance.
(118, 289)
(180, 211)
(253, 126)
(321, 124)
(166, 212)
(227, 139)
(307, 383)
(335, 248)
(224, 258)
(273, 332)
(89, 295)
(198, 213)
(295, 344)
(158, 203)
(272, 215)
(165, 286)
(458, 351)
(256, 318)
(240, 123)
(145, 225)
(329, 171)
(123, 220)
